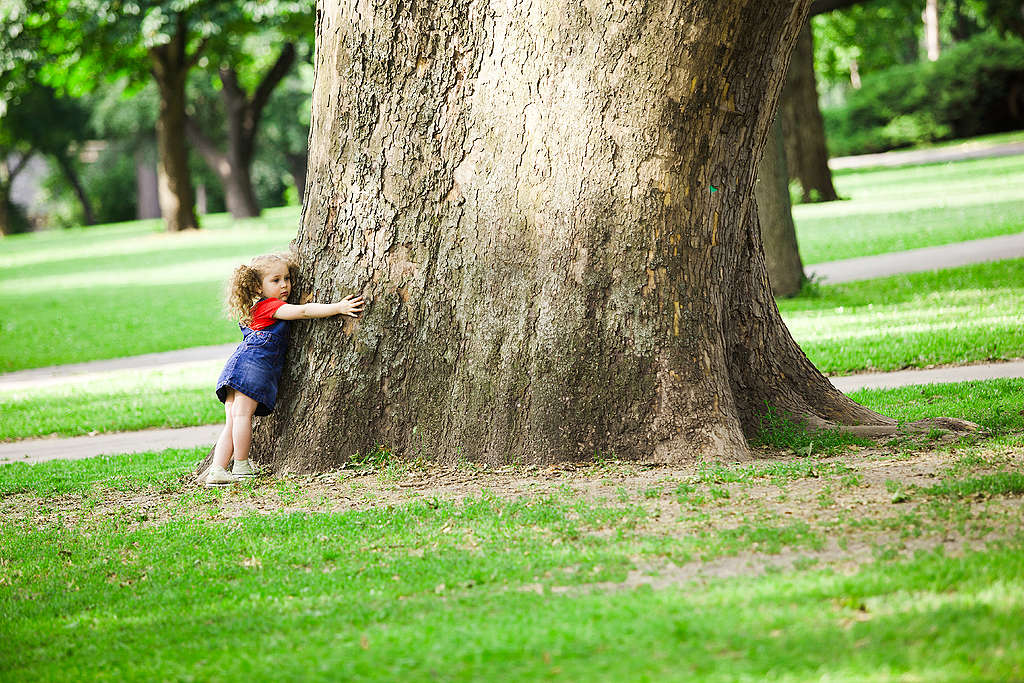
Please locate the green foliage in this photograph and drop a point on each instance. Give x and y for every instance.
(969, 91)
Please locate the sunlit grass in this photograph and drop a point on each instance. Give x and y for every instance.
(912, 207)
(960, 315)
(113, 291)
(117, 401)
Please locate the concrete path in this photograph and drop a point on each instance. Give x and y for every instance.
(918, 260)
(967, 150)
(40, 450)
(904, 378)
(57, 374)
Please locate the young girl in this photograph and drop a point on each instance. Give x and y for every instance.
(257, 294)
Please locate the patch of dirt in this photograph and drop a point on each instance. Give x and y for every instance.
(860, 505)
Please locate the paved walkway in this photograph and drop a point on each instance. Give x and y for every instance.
(918, 260)
(967, 150)
(60, 374)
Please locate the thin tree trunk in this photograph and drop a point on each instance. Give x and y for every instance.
(76, 184)
(782, 256)
(803, 127)
(524, 196)
(147, 202)
(931, 29)
(5, 214)
(170, 66)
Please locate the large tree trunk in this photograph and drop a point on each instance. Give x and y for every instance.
(782, 256)
(522, 191)
(170, 65)
(803, 127)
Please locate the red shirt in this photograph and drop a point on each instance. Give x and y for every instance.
(263, 313)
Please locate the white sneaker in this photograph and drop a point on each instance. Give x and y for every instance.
(243, 469)
(218, 477)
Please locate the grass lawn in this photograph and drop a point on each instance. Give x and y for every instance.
(125, 400)
(960, 315)
(911, 207)
(871, 565)
(122, 290)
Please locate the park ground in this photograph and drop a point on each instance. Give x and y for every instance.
(827, 557)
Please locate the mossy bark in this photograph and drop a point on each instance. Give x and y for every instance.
(523, 192)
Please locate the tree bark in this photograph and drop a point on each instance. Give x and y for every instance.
(782, 256)
(242, 114)
(170, 65)
(523, 193)
(803, 127)
(68, 169)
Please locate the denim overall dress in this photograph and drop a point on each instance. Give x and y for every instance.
(255, 367)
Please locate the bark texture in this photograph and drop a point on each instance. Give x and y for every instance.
(781, 253)
(242, 112)
(523, 192)
(170, 64)
(803, 126)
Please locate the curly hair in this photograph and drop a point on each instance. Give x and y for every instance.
(245, 287)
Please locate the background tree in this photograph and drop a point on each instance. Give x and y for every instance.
(803, 130)
(525, 199)
(775, 214)
(87, 42)
(247, 78)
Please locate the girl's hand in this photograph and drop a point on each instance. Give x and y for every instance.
(351, 305)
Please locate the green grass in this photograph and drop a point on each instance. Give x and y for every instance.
(997, 405)
(112, 291)
(953, 316)
(129, 472)
(484, 588)
(125, 400)
(997, 484)
(912, 207)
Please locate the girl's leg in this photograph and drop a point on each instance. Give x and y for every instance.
(242, 410)
(224, 449)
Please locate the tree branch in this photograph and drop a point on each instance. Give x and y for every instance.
(194, 59)
(272, 78)
(215, 159)
(20, 166)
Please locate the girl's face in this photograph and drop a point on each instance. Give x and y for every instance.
(277, 284)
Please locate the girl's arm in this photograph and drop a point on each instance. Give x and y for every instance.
(351, 305)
